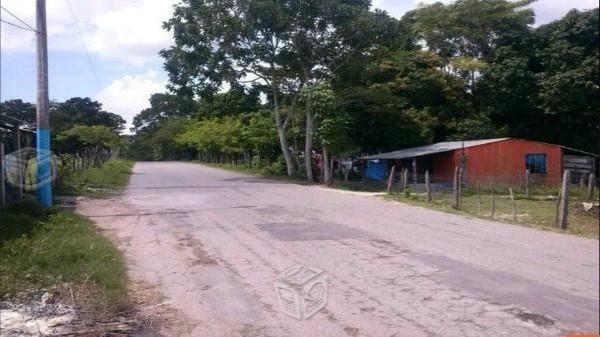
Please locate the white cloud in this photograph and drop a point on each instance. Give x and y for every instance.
(549, 10)
(129, 31)
(545, 10)
(377, 3)
(133, 34)
(128, 95)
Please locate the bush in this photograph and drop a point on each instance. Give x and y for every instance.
(276, 168)
(97, 181)
(20, 219)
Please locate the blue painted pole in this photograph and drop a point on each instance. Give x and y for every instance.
(44, 161)
(44, 156)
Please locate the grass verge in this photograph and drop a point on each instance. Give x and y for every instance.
(97, 182)
(535, 212)
(44, 249)
(359, 186)
(264, 172)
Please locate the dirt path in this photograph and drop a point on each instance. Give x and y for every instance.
(210, 244)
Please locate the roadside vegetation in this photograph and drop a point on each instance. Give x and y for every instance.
(57, 251)
(322, 91)
(538, 211)
(274, 170)
(97, 182)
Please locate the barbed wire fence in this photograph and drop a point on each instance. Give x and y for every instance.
(525, 198)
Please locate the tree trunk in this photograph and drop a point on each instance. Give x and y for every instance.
(285, 149)
(346, 173)
(331, 169)
(326, 168)
(281, 126)
(308, 145)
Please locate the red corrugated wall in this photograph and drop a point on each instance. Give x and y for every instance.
(443, 165)
(502, 162)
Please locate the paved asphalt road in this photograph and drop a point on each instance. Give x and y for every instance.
(211, 243)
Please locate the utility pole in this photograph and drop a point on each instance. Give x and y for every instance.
(44, 156)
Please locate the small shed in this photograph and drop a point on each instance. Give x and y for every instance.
(501, 160)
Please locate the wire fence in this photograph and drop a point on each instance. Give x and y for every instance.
(19, 169)
(525, 199)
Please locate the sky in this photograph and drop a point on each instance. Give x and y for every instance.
(108, 49)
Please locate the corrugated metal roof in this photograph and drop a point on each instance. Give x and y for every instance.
(580, 151)
(431, 149)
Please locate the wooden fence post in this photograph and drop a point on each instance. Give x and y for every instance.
(581, 182)
(479, 197)
(427, 186)
(563, 204)
(391, 179)
(18, 160)
(590, 190)
(527, 180)
(414, 170)
(2, 169)
(514, 205)
(557, 206)
(455, 189)
(460, 183)
(405, 179)
(493, 211)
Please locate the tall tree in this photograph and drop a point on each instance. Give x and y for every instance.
(80, 136)
(233, 102)
(569, 83)
(278, 46)
(83, 111)
(163, 106)
(466, 33)
(471, 28)
(18, 109)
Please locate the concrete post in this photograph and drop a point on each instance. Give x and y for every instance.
(590, 189)
(479, 197)
(455, 189)
(514, 204)
(527, 181)
(391, 179)
(493, 211)
(44, 158)
(563, 204)
(427, 186)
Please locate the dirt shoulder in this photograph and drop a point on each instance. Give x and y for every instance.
(60, 274)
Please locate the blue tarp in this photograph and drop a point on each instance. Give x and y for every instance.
(375, 170)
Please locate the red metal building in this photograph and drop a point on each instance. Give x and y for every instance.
(502, 160)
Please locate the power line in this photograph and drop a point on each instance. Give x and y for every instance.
(27, 27)
(18, 19)
(87, 53)
(17, 26)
